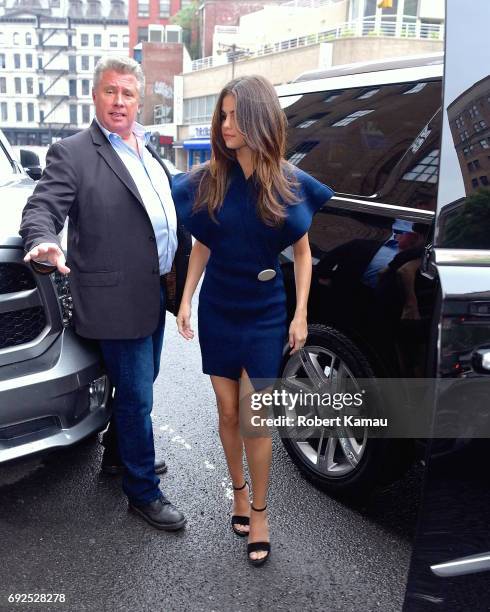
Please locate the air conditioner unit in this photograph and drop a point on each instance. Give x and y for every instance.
(173, 34)
(156, 33)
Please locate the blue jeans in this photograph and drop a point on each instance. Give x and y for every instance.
(133, 366)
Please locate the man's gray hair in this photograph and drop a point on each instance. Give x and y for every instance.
(122, 64)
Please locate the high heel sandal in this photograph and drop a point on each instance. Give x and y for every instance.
(259, 546)
(237, 519)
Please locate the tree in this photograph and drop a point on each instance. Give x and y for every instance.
(469, 228)
(187, 19)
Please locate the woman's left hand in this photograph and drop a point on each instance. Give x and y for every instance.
(298, 331)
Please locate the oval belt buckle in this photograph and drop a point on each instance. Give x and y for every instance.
(266, 275)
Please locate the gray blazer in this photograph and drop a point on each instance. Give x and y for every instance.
(112, 252)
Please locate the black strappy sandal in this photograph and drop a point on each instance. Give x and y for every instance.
(237, 519)
(259, 546)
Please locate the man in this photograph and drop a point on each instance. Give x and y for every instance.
(122, 240)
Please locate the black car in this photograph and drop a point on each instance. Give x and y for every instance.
(401, 290)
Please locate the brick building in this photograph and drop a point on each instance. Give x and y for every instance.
(469, 119)
(143, 13)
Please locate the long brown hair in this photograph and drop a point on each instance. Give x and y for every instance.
(262, 122)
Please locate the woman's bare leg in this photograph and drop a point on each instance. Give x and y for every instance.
(226, 391)
(259, 456)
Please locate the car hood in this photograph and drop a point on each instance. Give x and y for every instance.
(13, 197)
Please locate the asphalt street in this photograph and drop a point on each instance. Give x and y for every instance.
(65, 527)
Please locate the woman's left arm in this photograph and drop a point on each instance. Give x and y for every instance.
(298, 330)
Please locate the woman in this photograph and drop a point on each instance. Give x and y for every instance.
(244, 207)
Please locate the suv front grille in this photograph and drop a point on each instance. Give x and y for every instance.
(21, 326)
(15, 277)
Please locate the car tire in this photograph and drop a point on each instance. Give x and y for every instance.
(380, 461)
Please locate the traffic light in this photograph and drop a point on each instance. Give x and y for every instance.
(385, 4)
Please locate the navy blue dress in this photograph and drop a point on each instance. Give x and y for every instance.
(242, 320)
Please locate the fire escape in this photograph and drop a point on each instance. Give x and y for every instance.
(54, 46)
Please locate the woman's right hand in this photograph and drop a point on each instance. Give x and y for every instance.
(184, 321)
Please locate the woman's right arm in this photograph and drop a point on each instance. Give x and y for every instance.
(197, 262)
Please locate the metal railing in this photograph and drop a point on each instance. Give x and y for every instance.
(408, 27)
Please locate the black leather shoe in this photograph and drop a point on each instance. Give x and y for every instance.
(115, 467)
(161, 514)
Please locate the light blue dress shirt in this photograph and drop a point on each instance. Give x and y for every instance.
(380, 260)
(154, 189)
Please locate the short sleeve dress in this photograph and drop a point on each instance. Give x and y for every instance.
(241, 319)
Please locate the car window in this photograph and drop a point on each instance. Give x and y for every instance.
(352, 139)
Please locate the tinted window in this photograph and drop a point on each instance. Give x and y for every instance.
(353, 139)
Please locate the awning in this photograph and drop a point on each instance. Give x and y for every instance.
(198, 143)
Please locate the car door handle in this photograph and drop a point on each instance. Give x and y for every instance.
(480, 360)
(464, 565)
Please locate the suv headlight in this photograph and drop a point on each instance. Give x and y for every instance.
(62, 284)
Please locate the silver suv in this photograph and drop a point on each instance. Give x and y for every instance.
(53, 390)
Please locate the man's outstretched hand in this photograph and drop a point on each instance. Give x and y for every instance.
(48, 252)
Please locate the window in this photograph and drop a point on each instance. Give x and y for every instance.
(186, 3)
(96, 60)
(464, 135)
(368, 94)
(473, 111)
(16, 38)
(311, 120)
(39, 62)
(199, 110)
(426, 171)
(473, 165)
(30, 111)
(484, 180)
(72, 63)
(460, 122)
(125, 41)
(113, 40)
(85, 62)
(164, 8)
(143, 8)
(73, 114)
(84, 40)
(483, 124)
(474, 182)
(3, 85)
(16, 60)
(302, 150)
(415, 89)
(97, 40)
(379, 139)
(477, 127)
(307, 123)
(352, 117)
(143, 34)
(18, 87)
(85, 87)
(85, 113)
(4, 111)
(331, 96)
(484, 144)
(41, 116)
(41, 88)
(72, 88)
(18, 111)
(30, 85)
(29, 60)
(2, 60)
(28, 39)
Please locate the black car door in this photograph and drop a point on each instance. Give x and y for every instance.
(450, 566)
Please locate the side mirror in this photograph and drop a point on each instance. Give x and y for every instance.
(31, 164)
